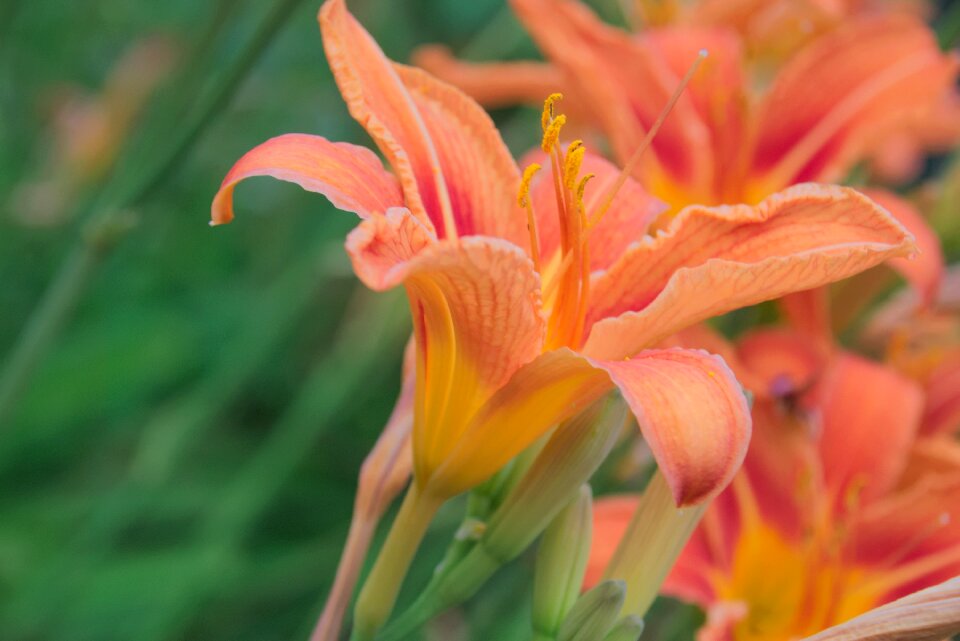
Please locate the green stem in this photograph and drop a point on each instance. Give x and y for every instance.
(654, 539)
(380, 590)
(78, 269)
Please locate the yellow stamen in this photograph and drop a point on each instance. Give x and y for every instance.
(571, 165)
(552, 133)
(582, 186)
(547, 116)
(523, 197)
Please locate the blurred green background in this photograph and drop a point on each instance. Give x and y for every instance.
(181, 461)
(180, 457)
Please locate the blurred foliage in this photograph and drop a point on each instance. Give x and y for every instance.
(182, 463)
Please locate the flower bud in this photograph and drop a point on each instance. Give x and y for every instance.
(594, 613)
(568, 460)
(571, 456)
(654, 539)
(561, 563)
(628, 629)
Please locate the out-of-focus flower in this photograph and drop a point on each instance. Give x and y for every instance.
(858, 90)
(770, 29)
(927, 615)
(841, 505)
(88, 129)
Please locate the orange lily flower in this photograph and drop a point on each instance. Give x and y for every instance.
(499, 362)
(769, 28)
(523, 315)
(840, 487)
(876, 78)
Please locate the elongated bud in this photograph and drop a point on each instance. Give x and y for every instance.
(568, 460)
(653, 541)
(561, 564)
(594, 613)
(628, 629)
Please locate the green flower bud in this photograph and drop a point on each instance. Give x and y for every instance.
(654, 539)
(571, 456)
(628, 629)
(594, 613)
(561, 563)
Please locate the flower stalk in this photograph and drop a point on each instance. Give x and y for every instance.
(380, 590)
(654, 539)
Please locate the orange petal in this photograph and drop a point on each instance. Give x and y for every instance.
(782, 363)
(832, 100)
(626, 221)
(381, 246)
(689, 406)
(476, 314)
(351, 177)
(625, 83)
(870, 417)
(550, 389)
(809, 313)
(692, 413)
(931, 614)
(784, 470)
(713, 260)
(453, 165)
(494, 84)
(913, 534)
(941, 415)
(925, 271)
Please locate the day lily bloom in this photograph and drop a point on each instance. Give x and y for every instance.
(840, 507)
(769, 28)
(526, 310)
(732, 138)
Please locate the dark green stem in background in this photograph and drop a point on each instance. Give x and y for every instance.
(110, 223)
(948, 26)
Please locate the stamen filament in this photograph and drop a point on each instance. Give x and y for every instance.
(631, 165)
(523, 199)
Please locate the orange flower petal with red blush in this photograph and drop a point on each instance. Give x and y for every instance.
(476, 315)
(692, 414)
(835, 97)
(781, 363)
(925, 271)
(942, 412)
(808, 312)
(452, 163)
(493, 84)
(383, 244)
(870, 416)
(550, 389)
(783, 468)
(713, 260)
(690, 408)
(913, 534)
(626, 83)
(352, 177)
(630, 214)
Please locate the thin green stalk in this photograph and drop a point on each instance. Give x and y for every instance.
(83, 260)
(166, 437)
(380, 590)
(948, 26)
(372, 328)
